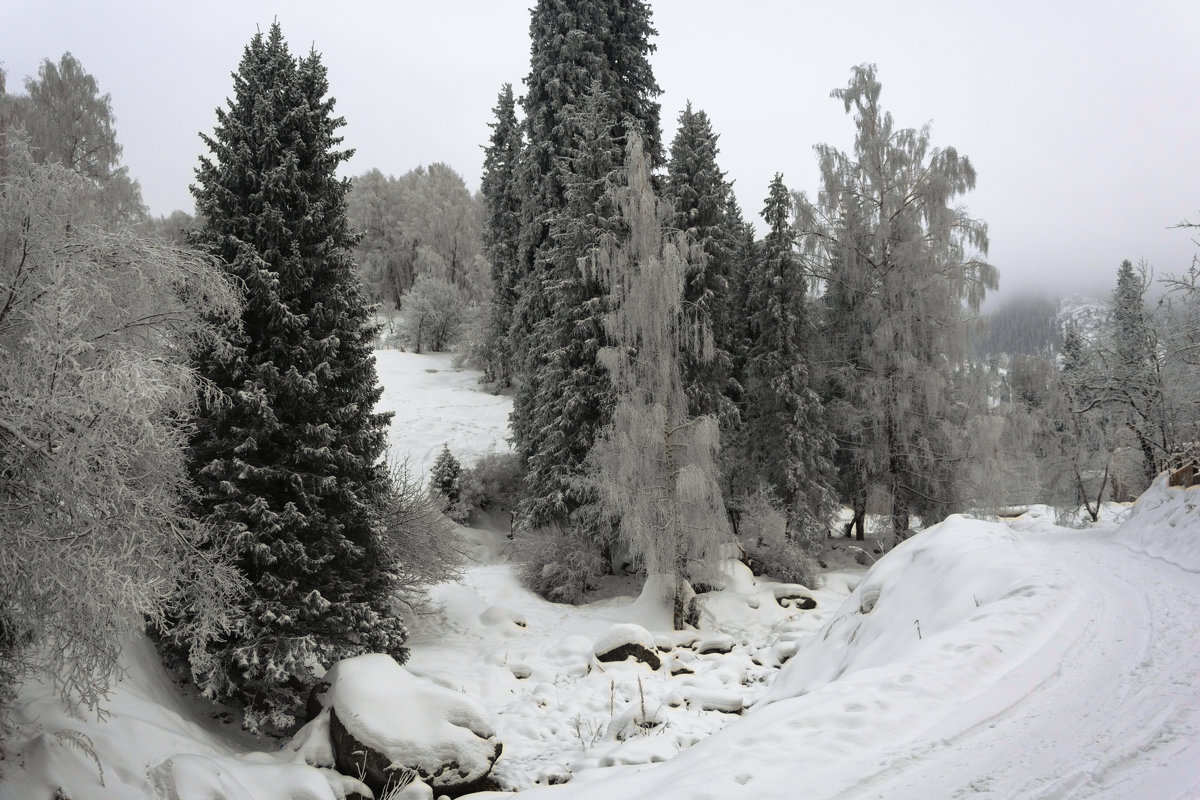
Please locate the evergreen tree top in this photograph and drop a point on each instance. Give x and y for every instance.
(577, 42)
(777, 213)
(694, 181)
(279, 125)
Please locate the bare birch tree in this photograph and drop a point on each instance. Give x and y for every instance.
(95, 328)
(655, 466)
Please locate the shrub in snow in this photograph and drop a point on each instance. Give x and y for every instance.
(494, 483)
(627, 641)
(390, 727)
(762, 531)
(425, 545)
(555, 565)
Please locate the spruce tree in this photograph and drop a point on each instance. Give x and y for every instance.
(787, 443)
(574, 44)
(563, 403)
(445, 476)
(588, 58)
(289, 459)
(501, 232)
(698, 194)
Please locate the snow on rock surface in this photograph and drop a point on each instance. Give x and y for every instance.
(627, 639)
(447, 738)
(1163, 524)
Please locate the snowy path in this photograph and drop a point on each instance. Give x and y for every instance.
(1096, 725)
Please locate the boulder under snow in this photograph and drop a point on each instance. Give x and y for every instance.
(389, 726)
(627, 641)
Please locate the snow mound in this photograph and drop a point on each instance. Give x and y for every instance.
(946, 605)
(503, 616)
(1165, 524)
(193, 777)
(411, 722)
(934, 628)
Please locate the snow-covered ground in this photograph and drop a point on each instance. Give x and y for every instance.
(436, 403)
(1002, 660)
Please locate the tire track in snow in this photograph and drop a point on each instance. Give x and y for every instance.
(1118, 717)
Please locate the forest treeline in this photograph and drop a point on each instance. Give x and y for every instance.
(187, 416)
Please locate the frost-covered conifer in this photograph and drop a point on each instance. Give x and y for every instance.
(699, 195)
(445, 475)
(567, 399)
(289, 460)
(501, 232)
(589, 78)
(786, 441)
(574, 45)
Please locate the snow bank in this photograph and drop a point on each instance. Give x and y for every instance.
(935, 626)
(944, 604)
(154, 742)
(1165, 523)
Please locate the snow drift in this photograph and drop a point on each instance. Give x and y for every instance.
(1165, 523)
(934, 625)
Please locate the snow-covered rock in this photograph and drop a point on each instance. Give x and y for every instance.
(627, 640)
(389, 724)
(716, 643)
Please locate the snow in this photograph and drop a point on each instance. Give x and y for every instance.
(1015, 659)
(411, 722)
(156, 741)
(436, 403)
(1048, 663)
(1163, 525)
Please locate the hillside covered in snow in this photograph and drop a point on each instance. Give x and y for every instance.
(1000, 659)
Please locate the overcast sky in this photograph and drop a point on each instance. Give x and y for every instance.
(1082, 118)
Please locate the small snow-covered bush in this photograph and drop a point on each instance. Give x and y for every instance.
(445, 487)
(763, 535)
(426, 545)
(556, 566)
(494, 483)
